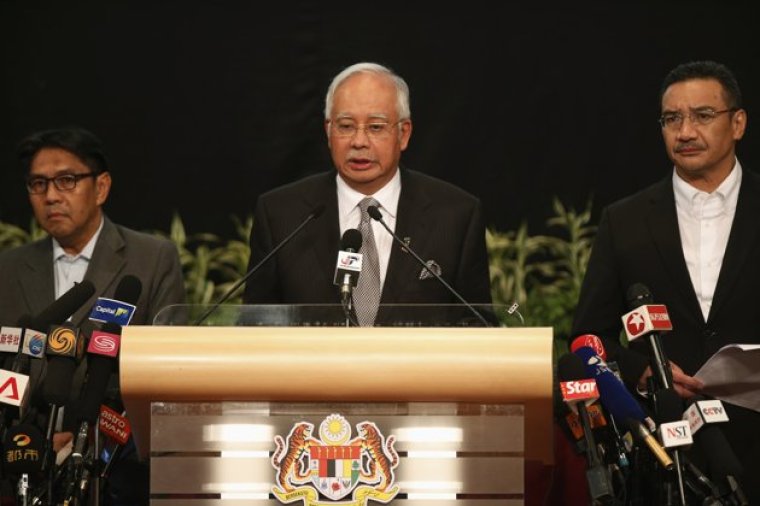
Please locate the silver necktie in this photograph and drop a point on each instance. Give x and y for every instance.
(367, 291)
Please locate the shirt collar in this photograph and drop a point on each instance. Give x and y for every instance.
(387, 196)
(727, 192)
(85, 254)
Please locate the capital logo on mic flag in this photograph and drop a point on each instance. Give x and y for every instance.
(335, 465)
(645, 319)
(13, 387)
(10, 337)
(112, 311)
(104, 343)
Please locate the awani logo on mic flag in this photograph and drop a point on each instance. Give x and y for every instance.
(335, 465)
(113, 425)
(104, 343)
(113, 311)
(34, 343)
(645, 319)
(64, 341)
(10, 337)
(12, 387)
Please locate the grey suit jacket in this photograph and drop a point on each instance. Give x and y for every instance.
(27, 284)
(442, 223)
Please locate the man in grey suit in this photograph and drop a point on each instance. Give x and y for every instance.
(693, 239)
(368, 124)
(68, 180)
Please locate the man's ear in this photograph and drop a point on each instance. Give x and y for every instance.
(102, 187)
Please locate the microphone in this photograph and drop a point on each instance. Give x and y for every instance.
(621, 405)
(23, 446)
(64, 306)
(375, 214)
(102, 352)
(649, 319)
(722, 464)
(592, 341)
(349, 264)
(314, 214)
(578, 391)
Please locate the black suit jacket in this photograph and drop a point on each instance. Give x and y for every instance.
(442, 222)
(638, 241)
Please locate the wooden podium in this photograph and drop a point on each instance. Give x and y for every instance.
(466, 408)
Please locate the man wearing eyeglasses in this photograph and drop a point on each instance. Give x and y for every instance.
(68, 181)
(368, 125)
(694, 240)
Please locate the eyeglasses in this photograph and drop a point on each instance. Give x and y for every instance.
(65, 182)
(375, 129)
(705, 116)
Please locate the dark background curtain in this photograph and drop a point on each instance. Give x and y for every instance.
(204, 105)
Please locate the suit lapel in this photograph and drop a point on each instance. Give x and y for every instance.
(323, 234)
(403, 269)
(663, 223)
(106, 263)
(37, 278)
(744, 234)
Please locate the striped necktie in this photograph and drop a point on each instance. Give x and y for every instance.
(367, 291)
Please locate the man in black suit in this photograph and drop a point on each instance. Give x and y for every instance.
(694, 240)
(368, 124)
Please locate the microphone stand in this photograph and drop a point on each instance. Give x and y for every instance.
(375, 214)
(314, 214)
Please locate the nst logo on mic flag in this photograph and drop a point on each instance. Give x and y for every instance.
(113, 311)
(645, 319)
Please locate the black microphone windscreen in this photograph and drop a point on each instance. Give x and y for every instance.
(351, 240)
(128, 290)
(570, 368)
(374, 213)
(57, 385)
(720, 458)
(64, 306)
(637, 295)
(23, 449)
(99, 369)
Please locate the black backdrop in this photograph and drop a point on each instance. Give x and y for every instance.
(203, 105)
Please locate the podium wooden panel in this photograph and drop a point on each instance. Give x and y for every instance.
(494, 385)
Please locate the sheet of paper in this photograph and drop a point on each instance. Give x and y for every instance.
(733, 375)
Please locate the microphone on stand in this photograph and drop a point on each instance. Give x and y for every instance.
(578, 390)
(347, 269)
(376, 215)
(314, 214)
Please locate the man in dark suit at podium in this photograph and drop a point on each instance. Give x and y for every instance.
(368, 124)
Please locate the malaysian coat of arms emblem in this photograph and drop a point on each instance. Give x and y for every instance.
(335, 466)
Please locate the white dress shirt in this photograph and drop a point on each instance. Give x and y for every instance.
(70, 269)
(349, 215)
(704, 221)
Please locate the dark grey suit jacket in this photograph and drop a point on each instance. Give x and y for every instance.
(638, 241)
(442, 222)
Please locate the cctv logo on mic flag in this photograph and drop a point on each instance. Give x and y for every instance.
(645, 319)
(112, 311)
(104, 343)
